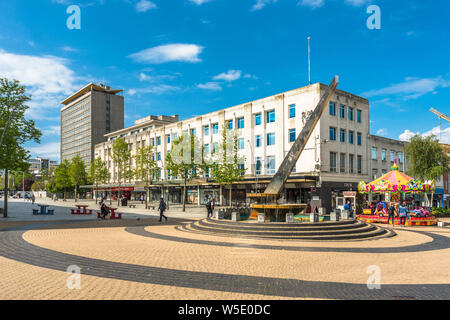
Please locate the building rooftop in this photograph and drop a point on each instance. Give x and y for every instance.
(87, 88)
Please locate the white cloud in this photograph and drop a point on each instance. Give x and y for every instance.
(262, 3)
(210, 86)
(411, 88)
(144, 5)
(381, 132)
(312, 3)
(69, 49)
(443, 136)
(48, 79)
(200, 2)
(230, 75)
(169, 53)
(51, 131)
(157, 89)
(49, 150)
(356, 3)
(131, 92)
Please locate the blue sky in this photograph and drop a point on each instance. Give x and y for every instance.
(189, 57)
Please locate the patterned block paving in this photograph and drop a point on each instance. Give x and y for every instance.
(292, 273)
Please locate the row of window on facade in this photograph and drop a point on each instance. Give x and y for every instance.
(343, 136)
(342, 112)
(343, 163)
(383, 155)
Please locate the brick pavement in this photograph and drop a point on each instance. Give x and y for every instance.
(147, 260)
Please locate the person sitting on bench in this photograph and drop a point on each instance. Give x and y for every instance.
(104, 210)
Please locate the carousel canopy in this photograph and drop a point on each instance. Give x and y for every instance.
(396, 181)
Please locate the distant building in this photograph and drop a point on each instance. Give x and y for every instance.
(39, 165)
(87, 116)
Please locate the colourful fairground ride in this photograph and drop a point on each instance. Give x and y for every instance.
(395, 185)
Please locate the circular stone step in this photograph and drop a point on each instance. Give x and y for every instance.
(335, 230)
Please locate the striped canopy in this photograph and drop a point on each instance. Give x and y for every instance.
(396, 181)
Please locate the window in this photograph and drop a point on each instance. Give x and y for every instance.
(158, 141)
(342, 135)
(270, 139)
(230, 124)
(257, 119)
(175, 135)
(153, 141)
(258, 141)
(258, 165)
(333, 162)
(400, 157)
(359, 164)
(342, 162)
(167, 138)
(206, 130)
(207, 148)
(292, 111)
(359, 138)
(241, 143)
(383, 171)
(332, 109)
(332, 133)
(291, 135)
(153, 156)
(241, 167)
(240, 123)
(270, 165)
(158, 156)
(358, 115)
(342, 111)
(350, 114)
(215, 128)
(383, 154)
(350, 136)
(270, 115)
(374, 173)
(193, 132)
(215, 147)
(374, 153)
(351, 160)
(392, 155)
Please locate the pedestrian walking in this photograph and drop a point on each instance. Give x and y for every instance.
(402, 211)
(33, 199)
(162, 208)
(391, 213)
(208, 208)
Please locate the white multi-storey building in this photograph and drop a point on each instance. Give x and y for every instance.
(335, 158)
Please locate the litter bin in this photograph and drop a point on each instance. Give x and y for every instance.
(124, 202)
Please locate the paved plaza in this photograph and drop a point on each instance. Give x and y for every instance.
(140, 258)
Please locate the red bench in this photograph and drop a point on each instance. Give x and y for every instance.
(113, 215)
(75, 211)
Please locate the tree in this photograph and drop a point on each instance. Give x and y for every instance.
(98, 173)
(121, 156)
(226, 168)
(16, 130)
(183, 159)
(77, 172)
(63, 182)
(427, 159)
(38, 186)
(146, 167)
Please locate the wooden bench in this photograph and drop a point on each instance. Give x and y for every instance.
(131, 205)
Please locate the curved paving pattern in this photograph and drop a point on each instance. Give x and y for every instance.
(438, 243)
(13, 246)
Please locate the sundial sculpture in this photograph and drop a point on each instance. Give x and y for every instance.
(267, 202)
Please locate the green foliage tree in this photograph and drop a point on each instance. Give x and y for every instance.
(146, 168)
(38, 186)
(226, 169)
(63, 181)
(427, 159)
(98, 173)
(121, 156)
(77, 172)
(183, 160)
(16, 130)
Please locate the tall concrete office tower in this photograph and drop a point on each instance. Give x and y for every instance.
(86, 117)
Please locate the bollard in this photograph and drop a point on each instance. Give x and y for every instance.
(345, 214)
(289, 217)
(261, 217)
(313, 217)
(235, 216)
(334, 216)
